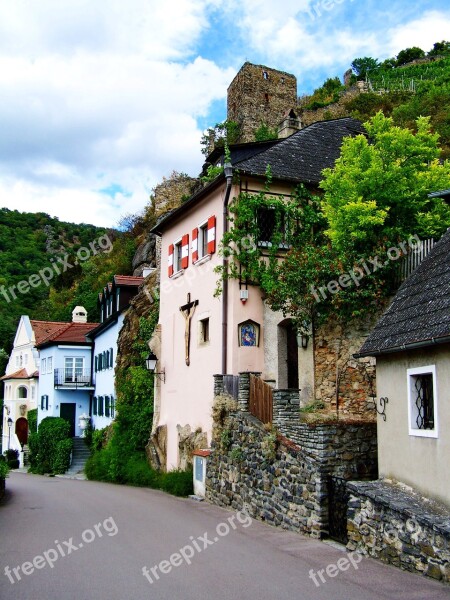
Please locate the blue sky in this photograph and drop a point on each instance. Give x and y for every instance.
(101, 99)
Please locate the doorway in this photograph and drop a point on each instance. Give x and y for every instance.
(67, 411)
(22, 430)
(287, 355)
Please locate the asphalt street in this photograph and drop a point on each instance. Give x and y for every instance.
(64, 539)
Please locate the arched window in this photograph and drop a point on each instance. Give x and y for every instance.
(22, 392)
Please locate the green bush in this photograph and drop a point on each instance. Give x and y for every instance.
(12, 458)
(4, 469)
(44, 445)
(61, 459)
(32, 420)
(178, 483)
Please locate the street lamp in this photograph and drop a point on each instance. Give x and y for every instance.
(10, 422)
(151, 362)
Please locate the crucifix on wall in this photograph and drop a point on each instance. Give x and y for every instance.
(188, 310)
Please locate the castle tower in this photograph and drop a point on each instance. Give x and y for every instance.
(260, 95)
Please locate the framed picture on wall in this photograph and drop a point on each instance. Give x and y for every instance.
(248, 333)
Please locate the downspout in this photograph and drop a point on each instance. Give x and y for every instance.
(228, 170)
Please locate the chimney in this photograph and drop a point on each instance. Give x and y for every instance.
(79, 315)
(289, 125)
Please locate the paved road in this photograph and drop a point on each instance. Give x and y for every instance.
(98, 537)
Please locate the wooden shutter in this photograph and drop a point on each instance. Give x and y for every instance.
(185, 251)
(170, 260)
(111, 362)
(211, 235)
(194, 245)
(96, 364)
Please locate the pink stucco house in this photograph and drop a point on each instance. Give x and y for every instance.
(200, 335)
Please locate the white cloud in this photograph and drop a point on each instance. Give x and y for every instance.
(432, 26)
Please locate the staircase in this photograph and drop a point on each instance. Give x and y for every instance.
(80, 454)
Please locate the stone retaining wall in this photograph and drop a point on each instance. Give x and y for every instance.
(282, 475)
(397, 526)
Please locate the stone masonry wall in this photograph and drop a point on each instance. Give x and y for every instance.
(257, 95)
(334, 364)
(281, 475)
(394, 524)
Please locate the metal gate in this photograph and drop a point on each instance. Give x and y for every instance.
(338, 497)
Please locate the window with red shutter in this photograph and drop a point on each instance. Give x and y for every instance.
(170, 260)
(185, 251)
(211, 235)
(194, 245)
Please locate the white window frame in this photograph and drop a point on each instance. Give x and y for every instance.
(412, 410)
(202, 240)
(50, 364)
(177, 259)
(43, 369)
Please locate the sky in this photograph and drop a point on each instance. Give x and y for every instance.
(101, 99)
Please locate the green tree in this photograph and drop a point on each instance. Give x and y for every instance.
(364, 66)
(440, 48)
(376, 197)
(409, 54)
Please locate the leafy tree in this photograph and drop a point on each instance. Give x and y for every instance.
(364, 66)
(440, 48)
(226, 132)
(376, 197)
(377, 191)
(264, 133)
(408, 55)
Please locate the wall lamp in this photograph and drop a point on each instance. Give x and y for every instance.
(302, 340)
(151, 362)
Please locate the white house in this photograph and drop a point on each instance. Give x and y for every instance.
(65, 381)
(21, 379)
(113, 301)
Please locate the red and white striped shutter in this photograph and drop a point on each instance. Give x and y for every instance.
(185, 251)
(194, 245)
(170, 260)
(211, 235)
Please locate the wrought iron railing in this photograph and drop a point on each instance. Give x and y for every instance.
(73, 378)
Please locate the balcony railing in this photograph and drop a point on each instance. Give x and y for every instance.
(69, 378)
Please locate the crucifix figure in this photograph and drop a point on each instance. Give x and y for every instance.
(188, 310)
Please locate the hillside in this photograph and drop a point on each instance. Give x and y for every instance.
(405, 92)
(48, 266)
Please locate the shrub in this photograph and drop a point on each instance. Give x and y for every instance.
(12, 458)
(44, 445)
(61, 459)
(178, 483)
(32, 420)
(4, 469)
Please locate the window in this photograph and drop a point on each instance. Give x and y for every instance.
(43, 366)
(100, 406)
(73, 369)
(203, 240)
(26, 359)
(107, 406)
(204, 331)
(17, 361)
(270, 223)
(33, 392)
(44, 402)
(49, 364)
(177, 255)
(22, 392)
(117, 299)
(265, 75)
(422, 401)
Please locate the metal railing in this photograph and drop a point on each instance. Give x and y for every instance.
(73, 378)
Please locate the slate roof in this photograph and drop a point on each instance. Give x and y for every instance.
(420, 311)
(299, 158)
(302, 156)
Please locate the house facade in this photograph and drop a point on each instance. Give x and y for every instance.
(411, 343)
(113, 302)
(65, 372)
(200, 335)
(20, 386)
